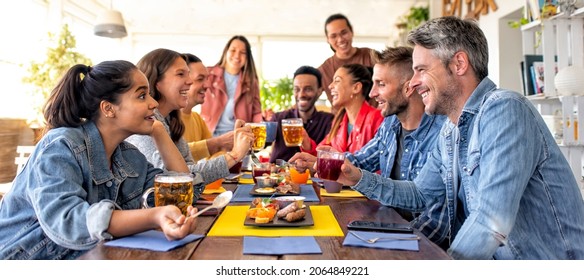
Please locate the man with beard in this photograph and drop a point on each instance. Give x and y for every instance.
(406, 137)
(307, 89)
(509, 191)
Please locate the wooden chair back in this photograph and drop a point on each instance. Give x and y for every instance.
(23, 154)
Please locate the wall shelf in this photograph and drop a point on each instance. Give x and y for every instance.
(560, 40)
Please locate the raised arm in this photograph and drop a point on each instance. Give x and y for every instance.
(169, 153)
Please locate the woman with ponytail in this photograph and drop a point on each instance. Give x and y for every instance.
(83, 184)
(356, 122)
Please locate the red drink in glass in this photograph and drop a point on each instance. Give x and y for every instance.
(260, 170)
(329, 169)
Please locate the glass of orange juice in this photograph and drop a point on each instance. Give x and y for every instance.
(298, 177)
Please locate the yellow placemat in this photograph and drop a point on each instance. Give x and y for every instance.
(212, 191)
(230, 223)
(246, 178)
(343, 193)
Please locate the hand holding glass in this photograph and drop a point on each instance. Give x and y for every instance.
(171, 189)
(259, 133)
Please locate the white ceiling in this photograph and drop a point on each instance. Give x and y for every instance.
(370, 18)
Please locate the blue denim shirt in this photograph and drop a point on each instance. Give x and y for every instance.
(60, 205)
(521, 200)
(380, 152)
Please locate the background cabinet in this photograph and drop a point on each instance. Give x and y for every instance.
(560, 39)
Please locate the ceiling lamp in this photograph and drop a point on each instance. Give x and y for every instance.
(110, 24)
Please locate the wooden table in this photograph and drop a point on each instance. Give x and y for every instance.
(231, 248)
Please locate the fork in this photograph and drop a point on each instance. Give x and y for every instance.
(375, 239)
(255, 159)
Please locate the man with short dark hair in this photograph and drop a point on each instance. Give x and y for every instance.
(307, 89)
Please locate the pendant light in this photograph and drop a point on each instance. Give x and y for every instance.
(110, 24)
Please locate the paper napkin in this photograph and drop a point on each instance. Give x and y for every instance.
(280, 245)
(153, 240)
(408, 245)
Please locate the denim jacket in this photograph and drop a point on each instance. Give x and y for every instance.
(380, 152)
(61, 203)
(521, 200)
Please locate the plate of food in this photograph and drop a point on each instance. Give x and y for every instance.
(283, 188)
(266, 213)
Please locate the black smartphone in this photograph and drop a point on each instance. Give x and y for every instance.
(377, 226)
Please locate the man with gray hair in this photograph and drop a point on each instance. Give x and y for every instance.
(509, 191)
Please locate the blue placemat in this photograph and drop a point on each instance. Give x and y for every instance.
(280, 245)
(241, 194)
(153, 240)
(407, 245)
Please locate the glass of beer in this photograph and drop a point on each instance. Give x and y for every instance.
(259, 133)
(171, 189)
(292, 132)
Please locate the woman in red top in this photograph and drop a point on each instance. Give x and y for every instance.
(356, 122)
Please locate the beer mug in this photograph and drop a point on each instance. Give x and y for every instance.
(171, 189)
(292, 132)
(259, 133)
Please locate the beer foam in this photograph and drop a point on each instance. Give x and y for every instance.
(174, 179)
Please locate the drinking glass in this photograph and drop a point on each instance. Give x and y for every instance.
(328, 164)
(292, 132)
(171, 189)
(259, 133)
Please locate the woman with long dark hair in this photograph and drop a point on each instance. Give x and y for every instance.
(356, 122)
(234, 91)
(83, 184)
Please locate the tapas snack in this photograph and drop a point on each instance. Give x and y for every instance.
(288, 209)
(296, 215)
(284, 187)
(263, 212)
(265, 190)
(291, 213)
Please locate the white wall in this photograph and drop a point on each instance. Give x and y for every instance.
(504, 41)
(201, 27)
(504, 45)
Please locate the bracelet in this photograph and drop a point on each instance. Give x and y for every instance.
(231, 156)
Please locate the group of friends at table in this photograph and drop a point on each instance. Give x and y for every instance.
(426, 131)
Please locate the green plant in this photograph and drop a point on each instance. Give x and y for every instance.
(276, 95)
(410, 21)
(416, 16)
(44, 75)
(517, 23)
